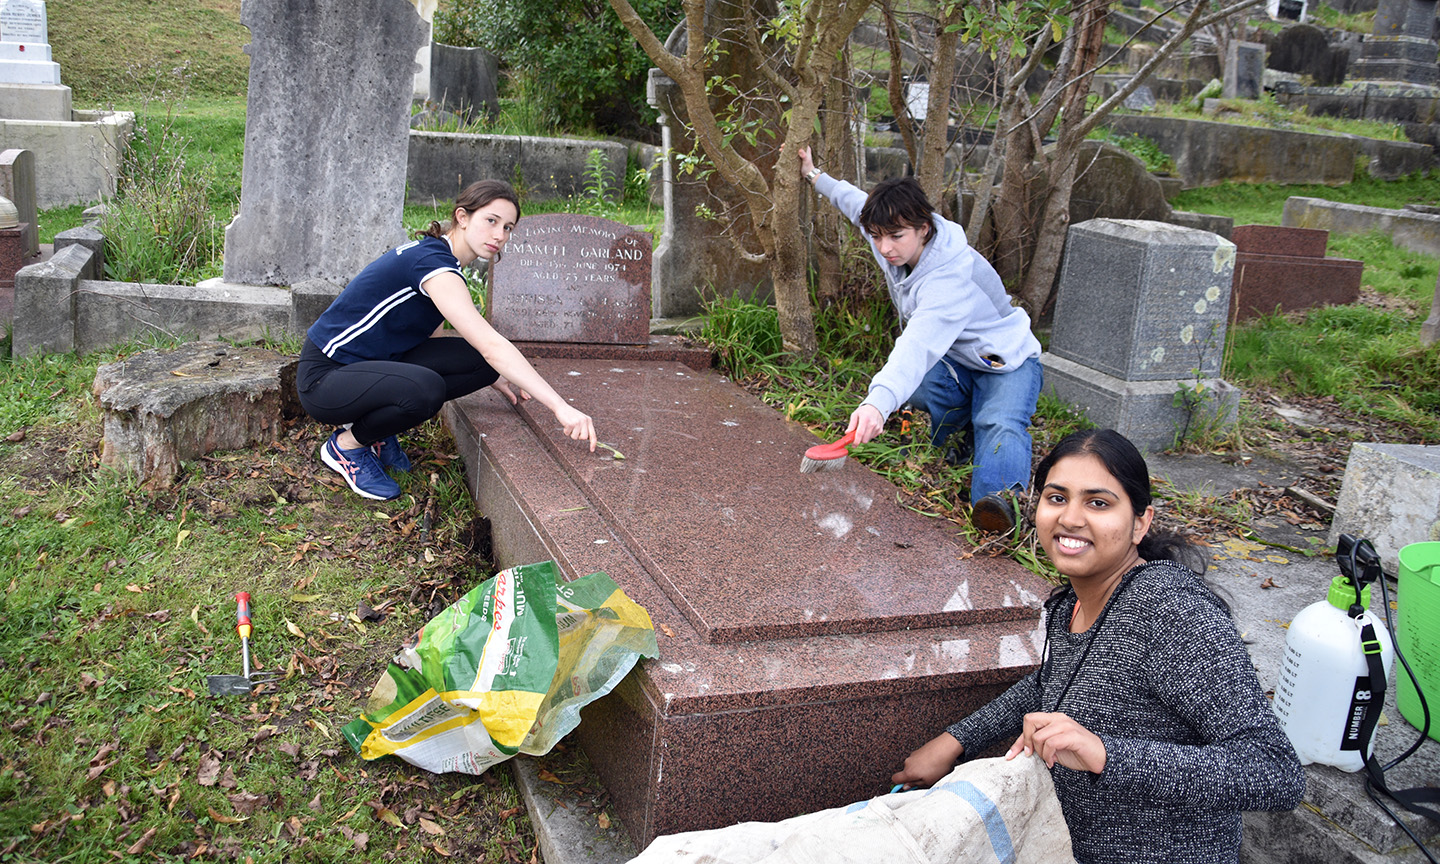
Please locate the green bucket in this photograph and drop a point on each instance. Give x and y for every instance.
(1417, 630)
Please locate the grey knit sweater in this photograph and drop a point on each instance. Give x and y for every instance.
(1190, 739)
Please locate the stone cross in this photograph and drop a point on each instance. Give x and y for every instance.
(326, 133)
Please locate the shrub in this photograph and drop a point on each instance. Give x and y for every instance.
(581, 65)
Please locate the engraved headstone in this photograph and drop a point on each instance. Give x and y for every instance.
(568, 278)
(25, 44)
(1244, 70)
(1143, 99)
(1160, 294)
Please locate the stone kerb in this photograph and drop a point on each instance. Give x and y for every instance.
(440, 164)
(1207, 153)
(1390, 495)
(62, 305)
(1408, 229)
(1140, 317)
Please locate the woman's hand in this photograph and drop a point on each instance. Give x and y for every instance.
(931, 762)
(806, 163)
(1058, 738)
(578, 424)
(866, 423)
(503, 387)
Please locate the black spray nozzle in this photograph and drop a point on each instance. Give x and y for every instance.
(1359, 563)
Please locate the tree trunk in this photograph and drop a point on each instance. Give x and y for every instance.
(935, 137)
(828, 225)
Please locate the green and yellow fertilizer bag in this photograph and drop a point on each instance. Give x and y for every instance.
(503, 670)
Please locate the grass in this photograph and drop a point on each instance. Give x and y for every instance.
(1265, 112)
(97, 46)
(117, 603)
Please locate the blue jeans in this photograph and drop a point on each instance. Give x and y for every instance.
(995, 407)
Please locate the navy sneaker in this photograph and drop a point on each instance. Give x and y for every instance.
(361, 470)
(391, 456)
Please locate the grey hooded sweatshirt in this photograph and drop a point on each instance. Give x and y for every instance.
(952, 304)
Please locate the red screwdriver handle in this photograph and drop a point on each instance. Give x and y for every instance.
(242, 614)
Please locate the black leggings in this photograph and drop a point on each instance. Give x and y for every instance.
(380, 398)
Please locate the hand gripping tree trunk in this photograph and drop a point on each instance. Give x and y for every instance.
(793, 70)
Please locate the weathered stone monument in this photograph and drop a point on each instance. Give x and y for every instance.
(326, 130)
(1140, 328)
(464, 81)
(1391, 495)
(1244, 70)
(1285, 269)
(1402, 47)
(695, 257)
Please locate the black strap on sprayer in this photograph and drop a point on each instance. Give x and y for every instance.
(1361, 565)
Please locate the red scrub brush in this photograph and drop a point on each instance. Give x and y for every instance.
(826, 457)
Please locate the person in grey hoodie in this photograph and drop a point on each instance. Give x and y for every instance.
(965, 354)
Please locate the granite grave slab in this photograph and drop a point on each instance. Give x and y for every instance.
(1285, 270)
(789, 606)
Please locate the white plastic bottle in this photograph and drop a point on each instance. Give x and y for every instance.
(1325, 687)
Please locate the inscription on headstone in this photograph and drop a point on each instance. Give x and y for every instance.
(567, 278)
(23, 21)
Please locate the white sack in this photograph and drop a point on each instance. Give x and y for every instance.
(988, 811)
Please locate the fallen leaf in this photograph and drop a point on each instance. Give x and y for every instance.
(386, 815)
(209, 769)
(304, 598)
(16, 437)
(290, 749)
(665, 628)
(1268, 583)
(315, 804)
(227, 779)
(135, 589)
(549, 777)
(441, 849)
(431, 828)
(361, 839)
(603, 820)
(246, 803)
(180, 538)
(223, 819)
(294, 631)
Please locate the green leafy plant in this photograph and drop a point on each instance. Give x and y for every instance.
(578, 64)
(160, 225)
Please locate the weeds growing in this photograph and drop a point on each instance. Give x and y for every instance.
(117, 604)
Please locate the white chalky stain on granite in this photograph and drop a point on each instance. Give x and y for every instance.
(1200, 307)
(1187, 333)
(836, 524)
(1212, 293)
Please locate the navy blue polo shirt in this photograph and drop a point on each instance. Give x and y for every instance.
(385, 310)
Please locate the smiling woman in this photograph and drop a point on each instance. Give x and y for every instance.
(1146, 707)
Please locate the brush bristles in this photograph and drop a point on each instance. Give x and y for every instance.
(810, 466)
